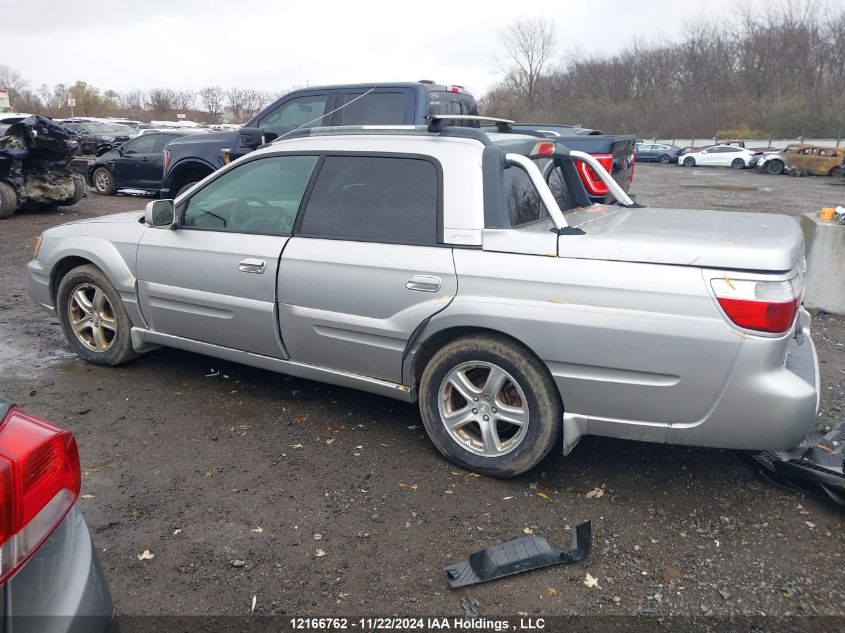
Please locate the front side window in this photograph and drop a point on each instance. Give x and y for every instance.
(368, 198)
(261, 196)
(299, 112)
(386, 108)
(146, 144)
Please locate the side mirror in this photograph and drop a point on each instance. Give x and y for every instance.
(250, 138)
(160, 213)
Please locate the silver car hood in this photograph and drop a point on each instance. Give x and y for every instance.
(114, 218)
(707, 239)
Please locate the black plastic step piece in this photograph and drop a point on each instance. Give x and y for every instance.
(517, 556)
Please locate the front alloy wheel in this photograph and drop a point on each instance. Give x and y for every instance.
(484, 409)
(92, 317)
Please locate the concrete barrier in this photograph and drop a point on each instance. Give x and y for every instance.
(825, 247)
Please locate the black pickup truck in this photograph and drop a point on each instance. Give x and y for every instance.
(615, 152)
(190, 159)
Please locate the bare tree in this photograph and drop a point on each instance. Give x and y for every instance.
(253, 101)
(212, 100)
(529, 44)
(13, 81)
(162, 102)
(186, 100)
(133, 103)
(235, 104)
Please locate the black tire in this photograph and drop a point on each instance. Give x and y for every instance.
(665, 159)
(84, 278)
(544, 408)
(835, 171)
(103, 182)
(738, 163)
(689, 161)
(774, 167)
(8, 200)
(184, 188)
(78, 192)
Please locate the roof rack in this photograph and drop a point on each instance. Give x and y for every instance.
(436, 121)
(387, 129)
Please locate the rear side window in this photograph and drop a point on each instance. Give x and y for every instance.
(387, 108)
(524, 203)
(367, 198)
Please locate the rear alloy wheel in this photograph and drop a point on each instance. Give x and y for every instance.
(103, 182)
(738, 163)
(93, 318)
(8, 200)
(689, 161)
(665, 159)
(489, 406)
(774, 167)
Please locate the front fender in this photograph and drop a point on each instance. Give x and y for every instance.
(117, 261)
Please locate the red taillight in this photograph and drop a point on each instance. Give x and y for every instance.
(39, 482)
(454, 88)
(763, 306)
(594, 185)
(167, 159)
(544, 148)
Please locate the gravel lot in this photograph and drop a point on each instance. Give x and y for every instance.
(238, 479)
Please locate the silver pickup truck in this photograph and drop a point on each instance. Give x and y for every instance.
(466, 271)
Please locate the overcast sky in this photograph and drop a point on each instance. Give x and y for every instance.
(274, 45)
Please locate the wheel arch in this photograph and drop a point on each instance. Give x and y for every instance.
(187, 171)
(105, 257)
(436, 335)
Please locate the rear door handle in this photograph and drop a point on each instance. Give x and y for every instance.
(423, 283)
(252, 265)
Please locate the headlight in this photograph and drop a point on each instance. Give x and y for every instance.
(36, 247)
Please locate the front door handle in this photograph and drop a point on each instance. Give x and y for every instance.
(423, 283)
(252, 265)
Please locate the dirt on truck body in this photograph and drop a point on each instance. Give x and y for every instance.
(35, 169)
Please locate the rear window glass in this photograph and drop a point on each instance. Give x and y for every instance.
(382, 199)
(387, 108)
(444, 102)
(523, 199)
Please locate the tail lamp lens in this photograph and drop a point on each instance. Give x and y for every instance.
(39, 482)
(594, 185)
(763, 306)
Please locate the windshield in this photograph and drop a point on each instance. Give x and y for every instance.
(98, 128)
(123, 129)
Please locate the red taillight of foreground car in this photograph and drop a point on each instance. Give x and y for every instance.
(592, 183)
(39, 482)
(763, 306)
(168, 158)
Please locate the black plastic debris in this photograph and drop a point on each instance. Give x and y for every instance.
(514, 557)
(817, 462)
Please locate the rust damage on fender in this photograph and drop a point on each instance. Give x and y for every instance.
(35, 161)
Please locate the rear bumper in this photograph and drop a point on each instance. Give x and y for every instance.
(762, 408)
(61, 589)
(38, 284)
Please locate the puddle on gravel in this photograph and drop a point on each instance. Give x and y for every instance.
(25, 356)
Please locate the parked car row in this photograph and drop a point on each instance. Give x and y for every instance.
(800, 159)
(804, 159)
